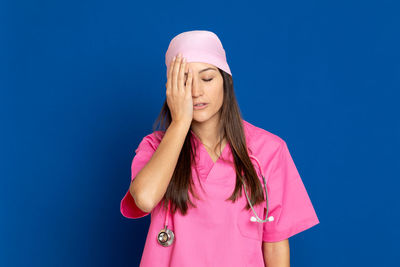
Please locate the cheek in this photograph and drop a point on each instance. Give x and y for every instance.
(219, 95)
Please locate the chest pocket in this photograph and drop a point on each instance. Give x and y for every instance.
(247, 228)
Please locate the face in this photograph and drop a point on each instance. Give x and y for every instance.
(207, 88)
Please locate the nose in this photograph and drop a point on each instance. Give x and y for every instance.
(197, 89)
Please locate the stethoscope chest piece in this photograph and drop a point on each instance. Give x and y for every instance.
(165, 237)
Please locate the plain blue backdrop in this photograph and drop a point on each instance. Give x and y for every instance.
(83, 81)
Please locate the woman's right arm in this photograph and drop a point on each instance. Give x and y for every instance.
(151, 183)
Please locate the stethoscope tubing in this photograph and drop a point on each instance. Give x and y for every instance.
(166, 236)
(257, 219)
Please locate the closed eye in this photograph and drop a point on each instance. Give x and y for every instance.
(209, 80)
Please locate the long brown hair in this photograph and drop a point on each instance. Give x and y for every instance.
(231, 128)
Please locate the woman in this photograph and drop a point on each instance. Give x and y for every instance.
(189, 176)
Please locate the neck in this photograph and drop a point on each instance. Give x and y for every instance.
(208, 132)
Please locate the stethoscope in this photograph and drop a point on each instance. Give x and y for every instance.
(166, 236)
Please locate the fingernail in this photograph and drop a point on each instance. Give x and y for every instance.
(174, 58)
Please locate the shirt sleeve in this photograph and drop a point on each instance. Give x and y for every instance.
(144, 152)
(289, 202)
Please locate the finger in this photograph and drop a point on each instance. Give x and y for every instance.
(189, 83)
(185, 76)
(175, 74)
(169, 76)
(181, 75)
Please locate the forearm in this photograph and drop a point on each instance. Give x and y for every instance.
(150, 184)
(276, 254)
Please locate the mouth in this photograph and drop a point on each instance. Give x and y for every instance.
(200, 106)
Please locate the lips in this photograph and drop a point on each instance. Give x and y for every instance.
(200, 106)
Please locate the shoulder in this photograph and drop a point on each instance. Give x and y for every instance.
(261, 141)
(151, 141)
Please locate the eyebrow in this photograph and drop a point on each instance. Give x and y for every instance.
(207, 69)
(203, 70)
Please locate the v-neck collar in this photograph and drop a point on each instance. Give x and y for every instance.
(205, 163)
(202, 146)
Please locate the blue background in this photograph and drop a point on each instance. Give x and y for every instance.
(83, 81)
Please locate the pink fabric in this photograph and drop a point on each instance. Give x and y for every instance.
(219, 232)
(198, 46)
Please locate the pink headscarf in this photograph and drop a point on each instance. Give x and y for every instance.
(198, 46)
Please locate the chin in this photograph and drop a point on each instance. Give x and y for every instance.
(204, 116)
(201, 118)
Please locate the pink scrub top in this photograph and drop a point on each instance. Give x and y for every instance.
(219, 232)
